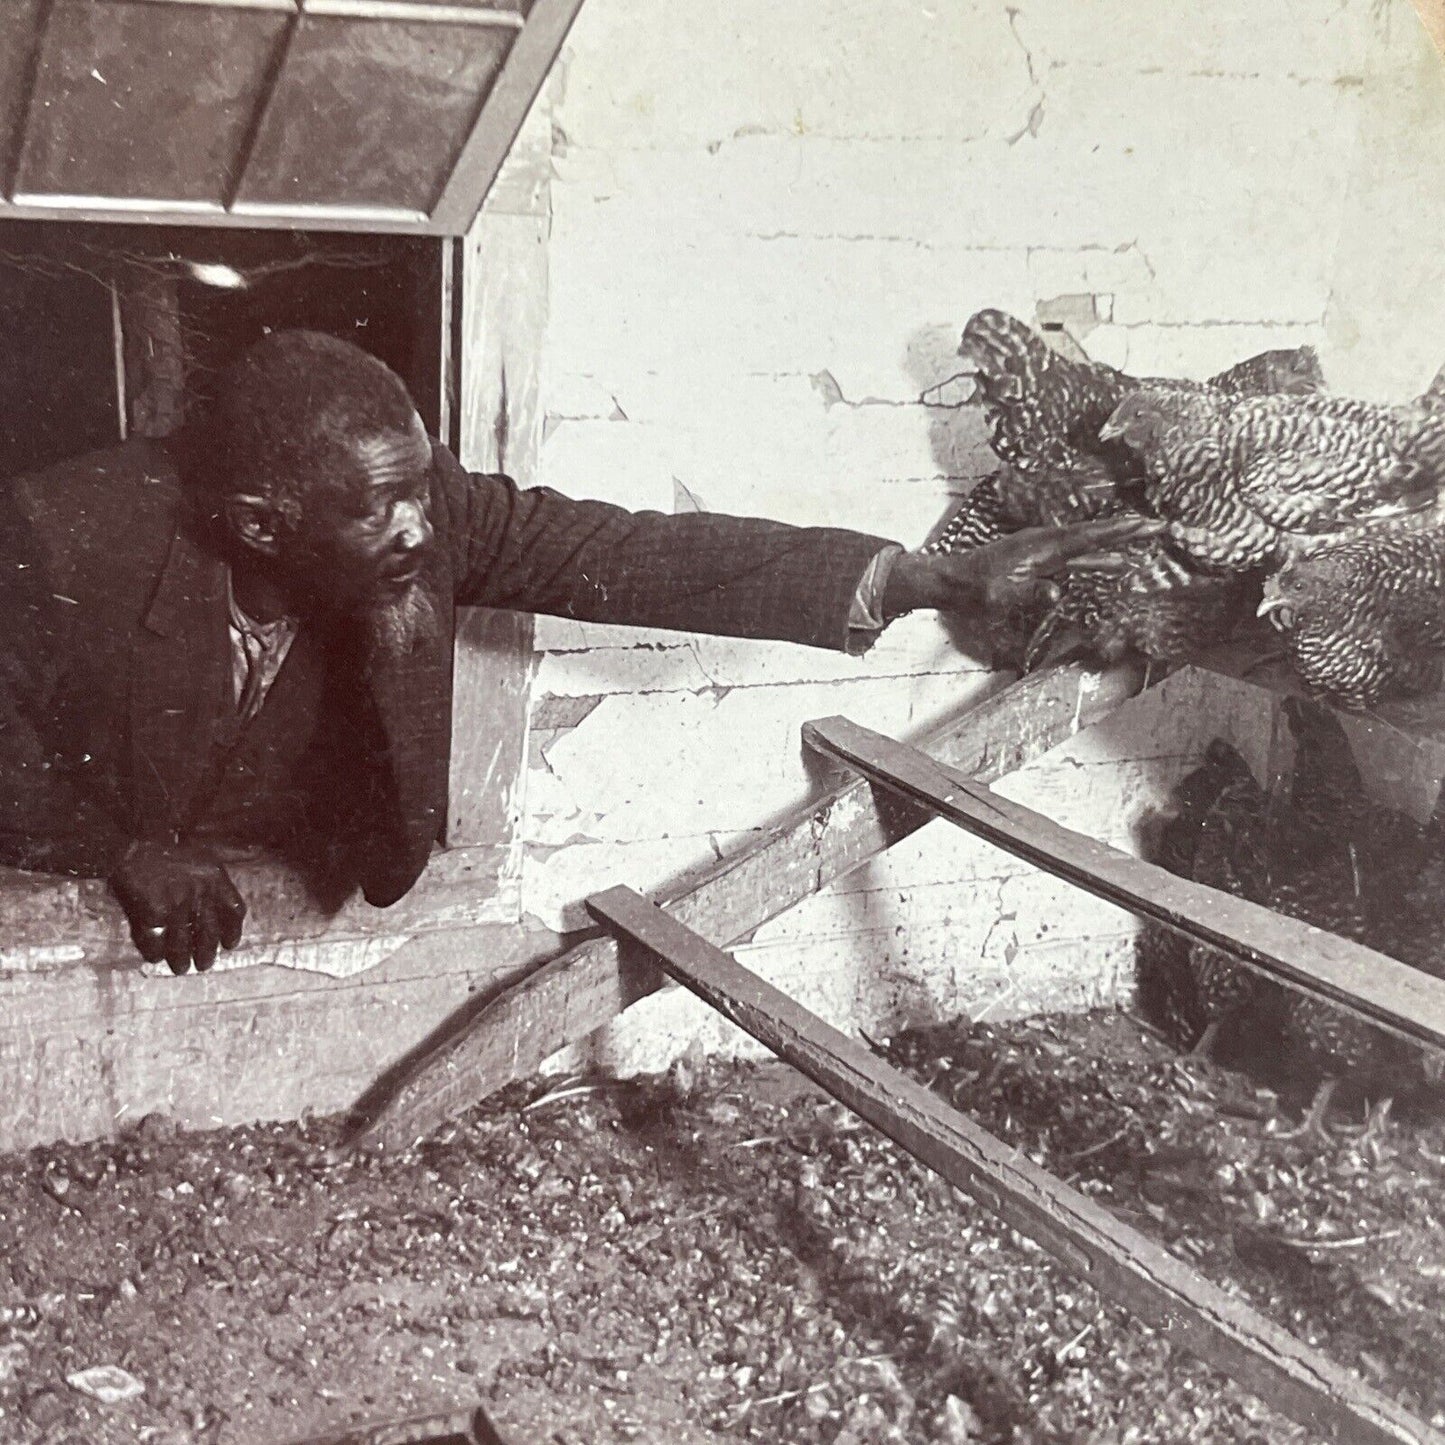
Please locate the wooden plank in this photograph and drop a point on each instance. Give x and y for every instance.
(573, 995)
(1378, 989)
(492, 672)
(50, 922)
(532, 57)
(425, 12)
(504, 316)
(1398, 746)
(155, 354)
(1118, 1261)
(157, 211)
(430, 373)
(84, 1051)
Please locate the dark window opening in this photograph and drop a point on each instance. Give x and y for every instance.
(114, 330)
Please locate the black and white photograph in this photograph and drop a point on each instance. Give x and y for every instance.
(722, 723)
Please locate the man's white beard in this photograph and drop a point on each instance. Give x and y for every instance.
(399, 623)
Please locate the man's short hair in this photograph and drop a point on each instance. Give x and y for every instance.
(291, 408)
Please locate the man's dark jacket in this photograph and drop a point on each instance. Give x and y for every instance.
(115, 655)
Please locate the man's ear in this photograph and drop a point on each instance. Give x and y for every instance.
(254, 522)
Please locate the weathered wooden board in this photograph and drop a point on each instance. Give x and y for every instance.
(503, 320)
(85, 1051)
(49, 922)
(575, 994)
(492, 672)
(154, 354)
(1118, 1261)
(1378, 989)
(482, 157)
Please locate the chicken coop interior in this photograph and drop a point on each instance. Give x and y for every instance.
(1039, 1044)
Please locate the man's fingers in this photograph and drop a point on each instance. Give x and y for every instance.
(230, 914)
(181, 903)
(1099, 562)
(149, 938)
(1109, 532)
(1046, 550)
(178, 940)
(205, 935)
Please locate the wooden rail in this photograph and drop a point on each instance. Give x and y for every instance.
(485, 1048)
(1117, 1260)
(1376, 988)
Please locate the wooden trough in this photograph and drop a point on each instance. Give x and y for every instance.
(891, 790)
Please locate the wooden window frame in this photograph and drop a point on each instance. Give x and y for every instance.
(487, 298)
(541, 28)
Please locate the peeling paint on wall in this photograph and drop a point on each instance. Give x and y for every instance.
(769, 226)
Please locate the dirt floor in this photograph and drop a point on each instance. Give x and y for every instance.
(719, 1255)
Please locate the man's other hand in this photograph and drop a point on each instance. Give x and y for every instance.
(1006, 576)
(181, 904)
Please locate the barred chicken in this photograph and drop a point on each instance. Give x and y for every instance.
(1433, 397)
(1169, 837)
(1208, 831)
(1243, 481)
(1323, 851)
(1045, 412)
(1044, 409)
(1327, 798)
(1287, 371)
(1112, 612)
(1359, 863)
(1233, 854)
(1008, 500)
(1363, 618)
(1418, 934)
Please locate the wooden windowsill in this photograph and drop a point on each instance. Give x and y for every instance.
(49, 922)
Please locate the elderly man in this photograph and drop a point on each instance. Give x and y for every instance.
(242, 635)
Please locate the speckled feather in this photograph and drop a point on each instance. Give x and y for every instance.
(1363, 619)
(1323, 851)
(1119, 613)
(1240, 478)
(1232, 855)
(1045, 412)
(1170, 837)
(980, 519)
(1042, 406)
(1347, 863)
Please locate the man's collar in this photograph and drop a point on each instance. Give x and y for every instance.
(266, 633)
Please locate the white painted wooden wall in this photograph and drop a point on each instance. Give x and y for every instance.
(767, 226)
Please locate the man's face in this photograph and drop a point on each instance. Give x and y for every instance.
(363, 541)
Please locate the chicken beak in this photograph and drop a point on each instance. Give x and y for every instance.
(1276, 609)
(1111, 431)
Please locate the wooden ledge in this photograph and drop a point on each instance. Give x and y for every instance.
(49, 923)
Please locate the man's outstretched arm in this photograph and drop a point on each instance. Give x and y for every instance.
(535, 550)
(538, 551)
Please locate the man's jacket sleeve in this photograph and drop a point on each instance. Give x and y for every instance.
(538, 551)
